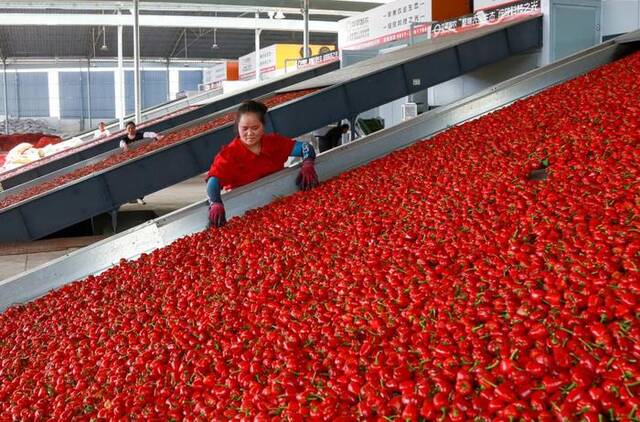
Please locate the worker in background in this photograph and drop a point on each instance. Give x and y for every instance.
(333, 137)
(101, 132)
(133, 135)
(253, 154)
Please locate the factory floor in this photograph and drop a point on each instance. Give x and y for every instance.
(16, 258)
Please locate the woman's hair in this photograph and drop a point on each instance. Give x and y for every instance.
(251, 106)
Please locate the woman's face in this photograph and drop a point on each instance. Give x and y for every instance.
(250, 129)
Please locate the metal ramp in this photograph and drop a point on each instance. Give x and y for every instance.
(162, 231)
(347, 93)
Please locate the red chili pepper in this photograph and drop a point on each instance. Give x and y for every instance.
(437, 282)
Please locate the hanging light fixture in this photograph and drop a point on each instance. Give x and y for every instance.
(214, 46)
(215, 39)
(104, 40)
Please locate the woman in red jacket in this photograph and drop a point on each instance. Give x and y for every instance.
(252, 155)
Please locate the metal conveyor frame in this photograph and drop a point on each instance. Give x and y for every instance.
(215, 105)
(162, 231)
(353, 90)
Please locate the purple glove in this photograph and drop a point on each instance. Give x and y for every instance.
(307, 179)
(216, 214)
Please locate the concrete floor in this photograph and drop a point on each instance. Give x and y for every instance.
(172, 198)
(11, 265)
(30, 255)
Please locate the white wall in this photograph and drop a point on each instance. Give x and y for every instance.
(174, 83)
(119, 95)
(392, 112)
(619, 16)
(545, 57)
(54, 93)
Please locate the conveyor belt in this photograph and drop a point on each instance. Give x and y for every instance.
(159, 110)
(49, 165)
(162, 231)
(474, 49)
(373, 83)
(98, 158)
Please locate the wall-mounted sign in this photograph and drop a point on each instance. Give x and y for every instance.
(215, 73)
(329, 57)
(391, 22)
(489, 16)
(247, 63)
(274, 58)
(382, 24)
(488, 4)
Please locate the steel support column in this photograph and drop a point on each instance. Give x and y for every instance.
(89, 91)
(168, 81)
(6, 100)
(258, 30)
(120, 78)
(305, 34)
(136, 64)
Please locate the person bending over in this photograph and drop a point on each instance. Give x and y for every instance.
(333, 138)
(130, 137)
(254, 154)
(133, 135)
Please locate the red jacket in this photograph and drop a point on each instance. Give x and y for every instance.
(235, 165)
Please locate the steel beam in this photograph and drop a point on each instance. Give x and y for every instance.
(321, 9)
(6, 95)
(305, 33)
(89, 91)
(257, 48)
(162, 21)
(120, 84)
(137, 89)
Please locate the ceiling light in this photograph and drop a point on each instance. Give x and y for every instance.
(215, 39)
(104, 40)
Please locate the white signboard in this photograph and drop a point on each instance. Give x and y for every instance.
(488, 16)
(331, 56)
(247, 63)
(215, 73)
(382, 24)
(488, 4)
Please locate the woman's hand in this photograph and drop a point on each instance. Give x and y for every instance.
(217, 215)
(307, 179)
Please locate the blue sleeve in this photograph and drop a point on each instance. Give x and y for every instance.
(304, 150)
(213, 190)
